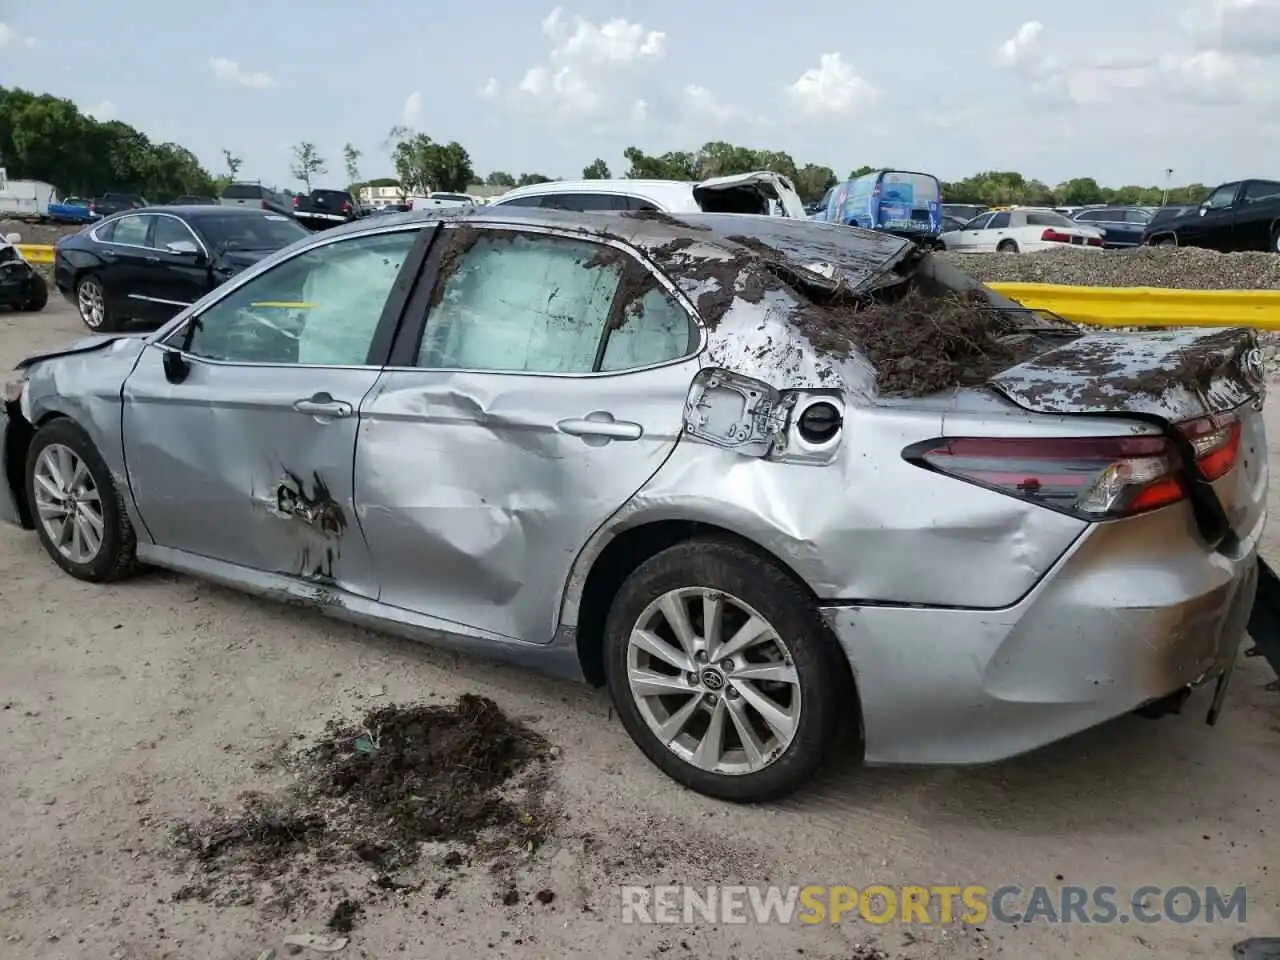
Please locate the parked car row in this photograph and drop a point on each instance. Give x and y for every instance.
(614, 446)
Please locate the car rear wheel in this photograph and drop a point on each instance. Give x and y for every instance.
(91, 299)
(80, 517)
(39, 295)
(723, 672)
(1165, 242)
(1006, 246)
(1275, 240)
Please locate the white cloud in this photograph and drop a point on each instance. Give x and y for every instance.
(411, 113)
(1018, 48)
(639, 112)
(831, 87)
(102, 112)
(491, 89)
(592, 69)
(10, 37)
(1235, 26)
(229, 71)
(700, 104)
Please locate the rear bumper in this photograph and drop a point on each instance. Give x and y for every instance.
(1134, 612)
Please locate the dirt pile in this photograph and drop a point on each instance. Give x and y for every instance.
(368, 795)
(918, 345)
(39, 233)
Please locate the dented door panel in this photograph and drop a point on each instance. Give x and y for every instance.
(478, 490)
(223, 466)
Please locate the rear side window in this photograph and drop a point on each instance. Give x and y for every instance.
(901, 187)
(584, 202)
(522, 202)
(635, 203)
(1050, 220)
(1089, 216)
(538, 304)
(243, 191)
(1261, 190)
(131, 230)
(998, 221)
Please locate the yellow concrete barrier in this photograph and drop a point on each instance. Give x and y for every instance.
(36, 252)
(1150, 306)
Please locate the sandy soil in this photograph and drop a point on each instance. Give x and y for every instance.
(127, 709)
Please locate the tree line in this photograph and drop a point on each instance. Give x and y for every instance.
(47, 138)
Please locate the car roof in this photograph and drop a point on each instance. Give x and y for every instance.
(664, 192)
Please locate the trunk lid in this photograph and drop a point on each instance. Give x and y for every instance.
(1173, 375)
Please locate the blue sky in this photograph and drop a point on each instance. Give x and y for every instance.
(1115, 90)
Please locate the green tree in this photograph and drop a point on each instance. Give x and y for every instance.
(351, 163)
(527, 178)
(676, 165)
(233, 162)
(307, 164)
(812, 181)
(857, 172)
(423, 165)
(596, 170)
(500, 178)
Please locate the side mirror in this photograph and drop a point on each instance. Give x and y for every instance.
(176, 368)
(182, 247)
(14, 238)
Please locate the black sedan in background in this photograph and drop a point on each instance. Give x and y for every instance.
(1121, 226)
(147, 265)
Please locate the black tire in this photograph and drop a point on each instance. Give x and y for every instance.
(110, 322)
(1006, 246)
(826, 691)
(1275, 240)
(116, 558)
(1165, 241)
(39, 295)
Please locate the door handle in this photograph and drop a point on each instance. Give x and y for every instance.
(323, 405)
(153, 259)
(600, 424)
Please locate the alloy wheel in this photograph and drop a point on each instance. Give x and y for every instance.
(68, 503)
(714, 681)
(90, 300)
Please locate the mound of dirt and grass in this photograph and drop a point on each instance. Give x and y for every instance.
(366, 798)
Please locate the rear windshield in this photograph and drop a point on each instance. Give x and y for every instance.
(918, 188)
(269, 231)
(1049, 220)
(242, 191)
(335, 197)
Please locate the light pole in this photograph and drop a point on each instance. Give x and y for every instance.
(1168, 176)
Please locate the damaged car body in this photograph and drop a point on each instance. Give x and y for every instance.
(775, 482)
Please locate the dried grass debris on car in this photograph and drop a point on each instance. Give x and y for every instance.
(371, 792)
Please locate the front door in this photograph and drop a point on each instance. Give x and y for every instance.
(1212, 228)
(176, 280)
(538, 401)
(245, 455)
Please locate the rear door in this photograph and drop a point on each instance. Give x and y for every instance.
(540, 392)
(969, 239)
(1256, 214)
(127, 259)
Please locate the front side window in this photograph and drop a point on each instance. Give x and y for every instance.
(527, 303)
(1224, 196)
(998, 221)
(170, 230)
(979, 222)
(320, 307)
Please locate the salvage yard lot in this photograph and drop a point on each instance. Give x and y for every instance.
(130, 709)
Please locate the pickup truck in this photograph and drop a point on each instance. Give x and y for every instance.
(322, 209)
(109, 203)
(73, 210)
(1237, 216)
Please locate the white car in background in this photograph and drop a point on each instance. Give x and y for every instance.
(1021, 230)
(761, 192)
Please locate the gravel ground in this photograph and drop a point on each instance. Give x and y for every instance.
(1184, 268)
(130, 709)
(38, 233)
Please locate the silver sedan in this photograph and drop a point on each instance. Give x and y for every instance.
(716, 463)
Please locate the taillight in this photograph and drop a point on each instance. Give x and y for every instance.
(346, 206)
(1094, 478)
(1093, 241)
(264, 205)
(295, 202)
(1055, 236)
